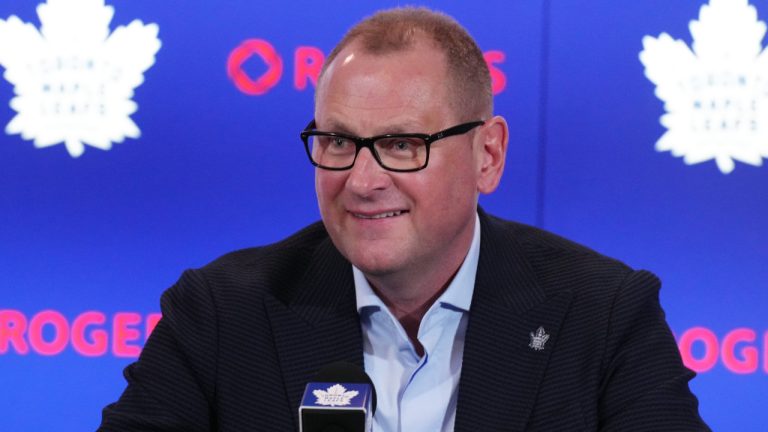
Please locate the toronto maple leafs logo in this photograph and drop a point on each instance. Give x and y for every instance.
(715, 94)
(73, 79)
(538, 339)
(335, 395)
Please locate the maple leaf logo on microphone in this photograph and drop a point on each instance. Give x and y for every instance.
(335, 395)
(715, 95)
(73, 79)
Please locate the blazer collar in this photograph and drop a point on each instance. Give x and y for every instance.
(502, 366)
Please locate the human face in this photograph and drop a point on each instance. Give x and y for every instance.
(391, 224)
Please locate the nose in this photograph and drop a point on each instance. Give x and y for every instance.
(366, 175)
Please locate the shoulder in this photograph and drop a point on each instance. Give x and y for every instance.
(282, 255)
(259, 270)
(561, 264)
(546, 250)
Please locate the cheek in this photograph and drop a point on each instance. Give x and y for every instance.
(445, 192)
(459, 178)
(328, 186)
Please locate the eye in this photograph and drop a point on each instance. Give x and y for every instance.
(339, 142)
(336, 144)
(402, 148)
(399, 144)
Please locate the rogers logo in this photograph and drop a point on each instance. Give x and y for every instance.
(307, 63)
(738, 350)
(90, 334)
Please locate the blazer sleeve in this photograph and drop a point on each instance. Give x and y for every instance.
(171, 386)
(645, 384)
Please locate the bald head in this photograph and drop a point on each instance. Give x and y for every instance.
(400, 29)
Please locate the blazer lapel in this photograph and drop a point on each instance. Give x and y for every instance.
(504, 361)
(318, 325)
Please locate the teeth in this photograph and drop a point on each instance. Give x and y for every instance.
(380, 215)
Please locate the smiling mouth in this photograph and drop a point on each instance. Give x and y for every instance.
(380, 215)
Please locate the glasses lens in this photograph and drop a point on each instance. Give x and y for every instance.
(402, 153)
(331, 151)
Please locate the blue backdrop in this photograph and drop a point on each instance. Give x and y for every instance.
(88, 244)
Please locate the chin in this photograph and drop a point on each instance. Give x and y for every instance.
(374, 265)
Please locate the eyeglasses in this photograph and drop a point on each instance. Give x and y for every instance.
(395, 152)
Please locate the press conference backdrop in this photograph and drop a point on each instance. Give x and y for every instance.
(140, 138)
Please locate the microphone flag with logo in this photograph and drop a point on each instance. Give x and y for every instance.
(341, 398)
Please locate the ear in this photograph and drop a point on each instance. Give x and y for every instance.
(492, 152)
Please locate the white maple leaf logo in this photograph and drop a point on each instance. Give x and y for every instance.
(73, 79)
(335, 395)
(539, 339)
(716, 95)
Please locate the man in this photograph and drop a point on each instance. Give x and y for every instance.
(464, 321)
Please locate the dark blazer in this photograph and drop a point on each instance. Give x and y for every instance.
(240, 338)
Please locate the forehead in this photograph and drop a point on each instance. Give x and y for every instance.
(371, 91)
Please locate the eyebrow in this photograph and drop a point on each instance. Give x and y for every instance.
(338, 126)
(335, 125)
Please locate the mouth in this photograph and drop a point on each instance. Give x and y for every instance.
(382, 215)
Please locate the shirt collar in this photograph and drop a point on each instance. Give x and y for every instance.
(458, 295)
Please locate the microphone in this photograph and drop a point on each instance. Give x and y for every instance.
(341, 398)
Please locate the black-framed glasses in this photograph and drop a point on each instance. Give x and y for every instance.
(403, 152)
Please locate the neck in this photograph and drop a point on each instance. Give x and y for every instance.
(409, 311)
(408, 296)
(410, 299)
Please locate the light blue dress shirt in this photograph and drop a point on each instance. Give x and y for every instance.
(417, 393)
